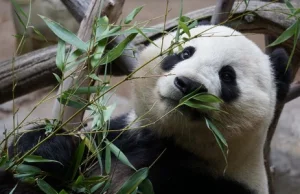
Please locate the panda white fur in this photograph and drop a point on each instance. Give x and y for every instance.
(224, 63)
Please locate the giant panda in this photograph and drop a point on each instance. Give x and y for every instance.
(218, 60)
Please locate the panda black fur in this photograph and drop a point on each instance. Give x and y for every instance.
(225, 63)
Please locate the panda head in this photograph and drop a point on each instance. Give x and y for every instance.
(222, 62)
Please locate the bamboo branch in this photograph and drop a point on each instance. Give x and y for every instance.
(265, 22)
(112, 9)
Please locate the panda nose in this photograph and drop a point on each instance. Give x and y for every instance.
(186, 85)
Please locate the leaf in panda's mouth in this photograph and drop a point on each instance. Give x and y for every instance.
(200, 101)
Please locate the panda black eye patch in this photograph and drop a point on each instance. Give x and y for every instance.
(170, 61)
(229, 87)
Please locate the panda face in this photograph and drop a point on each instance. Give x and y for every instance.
(221, 62)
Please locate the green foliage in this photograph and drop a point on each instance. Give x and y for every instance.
(45, 187)
(132, 15)
(134, 181)
(95, 53)
(65, 34)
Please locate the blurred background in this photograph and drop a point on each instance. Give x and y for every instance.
(286, 142)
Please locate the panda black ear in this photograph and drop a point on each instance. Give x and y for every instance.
(279, 59)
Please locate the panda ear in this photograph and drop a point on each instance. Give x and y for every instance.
(279, 59)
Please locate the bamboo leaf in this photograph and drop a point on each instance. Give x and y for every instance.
(216, 131)
(132, 15)
(100, 48)
(76, 161)
(102, 26)
(288, 33)
(87, 90)
(289, 5)
(108, 112)
(28, 169)
(119, 154)
(68, 102)
(117, 51)
(133, 182)
(60, 54)
(184, 27)
(207, 98)
(146, 187)
(95, 77)
(128, 32)
(45, 187)
(18, 9)
(38, 159)
(63, 192)
(146, 37)
(107, 160)
(65, 34)
(200, 106)
(57, 77)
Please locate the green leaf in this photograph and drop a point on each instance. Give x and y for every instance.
(95, 77)
(117, 51)
(178, 27)
(97, 186)
(76, 161)
(219, 139)
(3, 160)
(184, 27)
(189, 96)
(12, 191)
(129, 31)
(38, 159)
(289, 5)
(108, 112)
(133, 182)
(132, 15)
(45, 187)
(39, 33)
(102, 26)
(87, 90)
(28, 169)
(184, 19)
(100, 48)
(146, 37)
(107, 160)
(60, 55)
(296, 37)
(207, 98)
(57, 77)
(65, 34)
(216, 131)
(18, 9)
(74, 56)
(193, 24)
(200, 106)
(286, 34)
(115, 29)
(146, 187)
(246, 2)
(63, 192)
(68, 102)
(297, 12)
(119, 154)
(20, 20)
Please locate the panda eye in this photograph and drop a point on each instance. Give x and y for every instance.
(187, 53)
(227, 74)
(227, 77)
